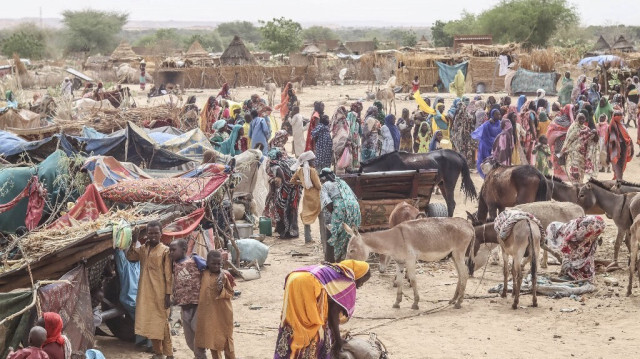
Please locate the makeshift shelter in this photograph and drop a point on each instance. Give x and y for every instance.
(124, 54)
(342, 49)
(21, 119)
(237, 54)
(448, 72)
(622, 45)
(601, 47)
(459, 40)
(423, 43)
(198, 56)
(311, 50)
(528, 82)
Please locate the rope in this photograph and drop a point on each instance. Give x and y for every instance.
(35, 300)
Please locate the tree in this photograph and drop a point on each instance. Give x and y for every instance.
(93, 31)
(281, 36)
(210, 41)
(466, 25)
(244, 29)
(26, 41)
(439, 37)
(318, 33)
(404, 37)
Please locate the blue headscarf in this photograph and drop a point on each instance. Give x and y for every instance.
(454, 107)
(228, 146)
(521, 100)
(389, 121)
(432, 144)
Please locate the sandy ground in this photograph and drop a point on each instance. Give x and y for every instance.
(603, 325)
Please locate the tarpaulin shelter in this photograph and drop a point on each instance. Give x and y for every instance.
(448, 72)
(12, 146)
(528, 82)
(600, 60)
(191, 144)
(14, 179)
(106, 171)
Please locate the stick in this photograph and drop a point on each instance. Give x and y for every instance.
(35, 299)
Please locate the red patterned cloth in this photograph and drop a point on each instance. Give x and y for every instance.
(165, 190)
(182, 227)
(37, 194)
(506, 220)
(87, 208)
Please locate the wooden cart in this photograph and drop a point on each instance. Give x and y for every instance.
(379, 192)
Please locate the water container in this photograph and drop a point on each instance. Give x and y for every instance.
(265, 226)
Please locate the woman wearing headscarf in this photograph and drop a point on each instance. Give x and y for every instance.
(440, 122)
(405, 125)
(189, 114)
(593, 96)
(318, 111)
(340, 137)
(220, 132)
(390, 135)
(231, 145)
(434, 144)
(556, 134)
(543, 123)
(224, 92)
(486, 135)
(604, 107)
(355, 133)
(338, 199)
(259, 131)
(581, 151)
(454, 108)
(281, 204)
(370, 131)
(463, 125)
(279, 139)
(457, 86)
(521, 101)
(306, 176)
(381, 114)
(283, 106)
(528, 120)
(57, 345)
(323, 143)
(579, 88)
(315, 299)
(503, 145)
(566, 88)
(481, 113)
(423, 138)
(619, 145)
(209, 115)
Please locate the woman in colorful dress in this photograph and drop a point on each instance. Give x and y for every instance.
(423, 138)
(503, 146)
(370, 131)
(318, 111)
(282, 201)
(338, 199)
(581, 151)
(390, 135)
(486, 135)
(323, 143)
(355, 133)
(556, 134)
(440, 122)
(209, 115)
(619, 145)
(315, 297)
(405, 125)
(340, 137)
(463, 126)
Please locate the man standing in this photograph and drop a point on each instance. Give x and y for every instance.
(154, 290)
(297, 127)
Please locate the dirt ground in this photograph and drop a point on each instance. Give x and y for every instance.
(602, 325)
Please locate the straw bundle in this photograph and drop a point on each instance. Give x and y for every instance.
(46, 241)
(543, 60)
(108, 121)
(488, 50)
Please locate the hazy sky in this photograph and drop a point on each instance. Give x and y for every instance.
(335, 12)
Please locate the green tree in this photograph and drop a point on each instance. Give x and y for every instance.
(246, 30)
(439, 37)
(210, 41)
(93, 31)
(466, 25)
(318, 33)
(27, 41)
(281, 36)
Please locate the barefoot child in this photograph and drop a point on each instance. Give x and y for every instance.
(214, 327)
(186, 286)
(37, 337)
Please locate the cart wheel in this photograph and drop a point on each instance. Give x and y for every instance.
(437, 210)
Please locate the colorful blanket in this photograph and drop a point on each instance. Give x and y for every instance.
(87, 208)
(106, 171)
(165, 190)
(182, 226)
(506, 220)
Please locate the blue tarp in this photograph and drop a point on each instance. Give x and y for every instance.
(447, 72)
(12, 145)
(128, 274)
(601, 60)
(528, 82)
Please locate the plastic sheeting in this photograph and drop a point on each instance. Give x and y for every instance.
(447, 72)
(528, 82)
(600, 60)
(128, 274)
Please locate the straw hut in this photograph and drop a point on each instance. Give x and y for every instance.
(622, 45)
(601, 47)
(342, 49)
(198, 56)
(423, 43)
(237, 54)
(311, 50)
(123, 54)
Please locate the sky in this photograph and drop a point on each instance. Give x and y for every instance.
(330, 12)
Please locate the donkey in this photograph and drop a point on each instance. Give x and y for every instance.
(524, 236)
(402, 212)
(427, 239)
(270, 89)
(388, 98)
(633, 260)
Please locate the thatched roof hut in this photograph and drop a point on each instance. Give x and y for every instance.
(237, 54)
(622, 45)
(197, 55)
(601, 47)
(124, 54)
(311, 50)
(423, 43)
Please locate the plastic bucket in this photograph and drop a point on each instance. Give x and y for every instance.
(245, 230)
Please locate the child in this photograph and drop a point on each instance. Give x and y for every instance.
(603, 128)
(214, 327)
(37, 337)
(543, 155)
(186, 286)
(435, 141)
(423, 138)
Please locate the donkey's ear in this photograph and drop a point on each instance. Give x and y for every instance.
(346, 228)
(354, 229)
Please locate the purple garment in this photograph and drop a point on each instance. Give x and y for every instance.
(485, 135)
(338, 283)
(393, 129)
